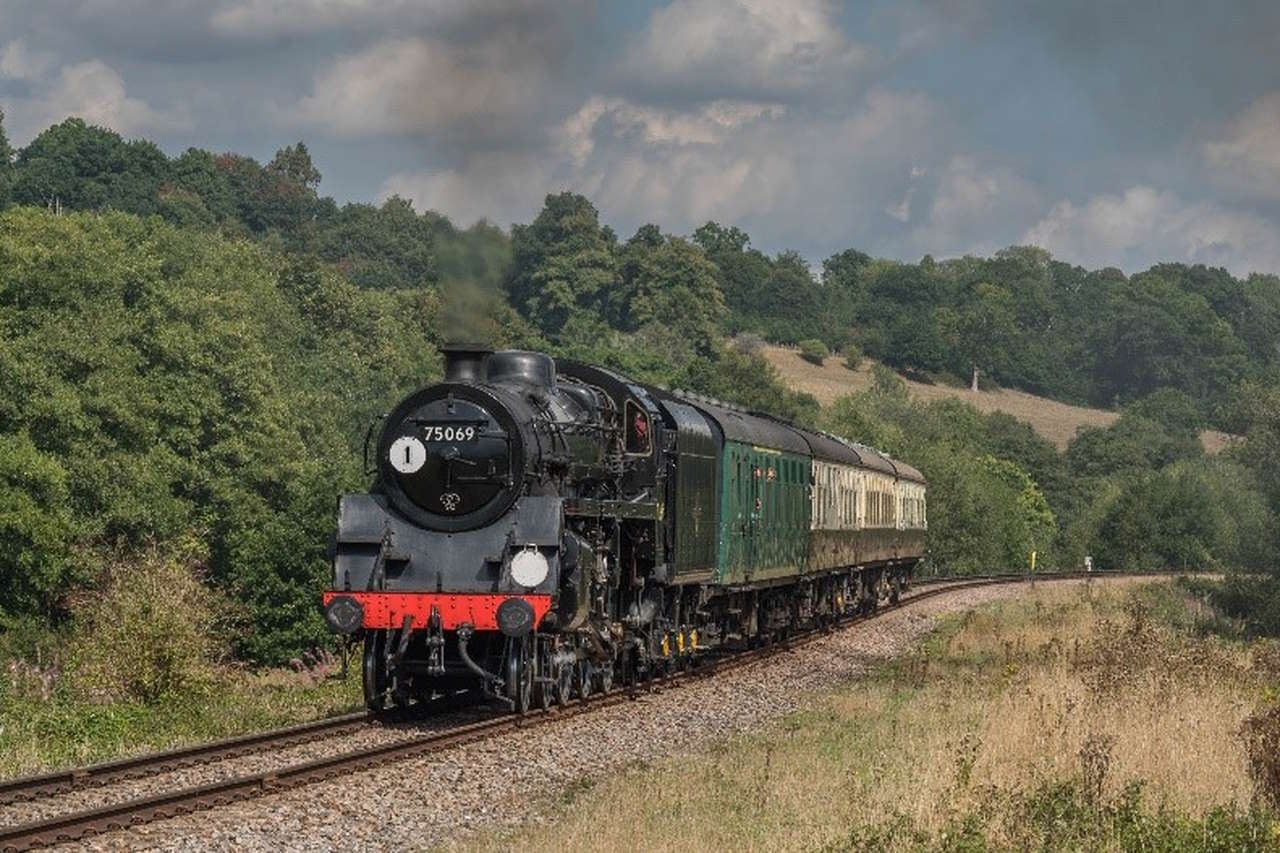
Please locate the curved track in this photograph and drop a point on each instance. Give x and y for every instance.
(72, 826)
(28, 788)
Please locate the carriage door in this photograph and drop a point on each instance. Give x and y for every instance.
(738, 509)
(755, 480)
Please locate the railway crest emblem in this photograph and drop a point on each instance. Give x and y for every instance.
(450, 501)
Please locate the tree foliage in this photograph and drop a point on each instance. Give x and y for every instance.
(563, 263)
(80, 167)
(814, 351)
(667, 282)
(193, 355)
(158, 382)
(1192, 515)
(986, 512)
(6, 164)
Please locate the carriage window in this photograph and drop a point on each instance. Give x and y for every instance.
(639, 440)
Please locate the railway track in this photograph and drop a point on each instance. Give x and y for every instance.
(27, 788)
(72, 826)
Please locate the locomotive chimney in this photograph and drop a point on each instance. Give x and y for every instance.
(465, 362)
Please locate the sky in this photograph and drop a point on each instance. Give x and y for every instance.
(1111, 134)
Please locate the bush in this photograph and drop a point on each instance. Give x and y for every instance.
(1261, 735)
(814, 351)
(1254, 599)
(153, 629)
(852, 357)
(748, 343)
(1195, 514)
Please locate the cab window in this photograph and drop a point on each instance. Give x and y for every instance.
(639, 430)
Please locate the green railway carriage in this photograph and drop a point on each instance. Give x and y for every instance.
(763, 530)
(793, 503)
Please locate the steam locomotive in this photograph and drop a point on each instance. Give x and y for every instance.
(542, 528)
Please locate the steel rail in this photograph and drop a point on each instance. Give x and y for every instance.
(77, 825)
(26, 788)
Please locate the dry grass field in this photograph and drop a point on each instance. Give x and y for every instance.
(1055, 421)
(1072, 719)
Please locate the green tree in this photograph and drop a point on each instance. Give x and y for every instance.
(1175, 410)
(844, 270)
(35, 525)
(777, 297)
(984, 333)
(380, 247)
(196, 172)
(668, 282)
(266, 201)
(158, 383)
(77, 166)
(1130, 446)
(1037, 528)
(562, 262)
(1260, 451)
(814, 351)
(6, 164)
(1200, 514)
(293, 163)
(1143, 338)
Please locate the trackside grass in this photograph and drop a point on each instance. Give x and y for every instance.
(1072, 719)
(143, 665)
(42, 730)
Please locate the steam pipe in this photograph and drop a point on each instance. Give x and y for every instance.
(490, 681)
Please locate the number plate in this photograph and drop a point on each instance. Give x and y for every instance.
(449, 433)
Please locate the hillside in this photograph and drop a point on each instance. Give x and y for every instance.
(1055, 421)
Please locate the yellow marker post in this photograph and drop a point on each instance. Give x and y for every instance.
(1033, 561)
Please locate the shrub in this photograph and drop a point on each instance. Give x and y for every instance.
(1193, 514)
(748, 343)
(153, 628)
(1261, 735)
(814, 351)
(852, 357)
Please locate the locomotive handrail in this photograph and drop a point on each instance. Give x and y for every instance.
(368, 434)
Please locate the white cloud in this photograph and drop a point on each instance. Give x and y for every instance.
(412, 85)
(805, 177)
(1249, 153)
(96, 93)
(805, 174)
(20, 62)
(267, 19)
(721, 48)
(273, 18)
(705, 125)
(487, 187)
(972, 207)
(1145, 225)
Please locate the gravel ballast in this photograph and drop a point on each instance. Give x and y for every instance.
(443, 798)
(112, 792)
